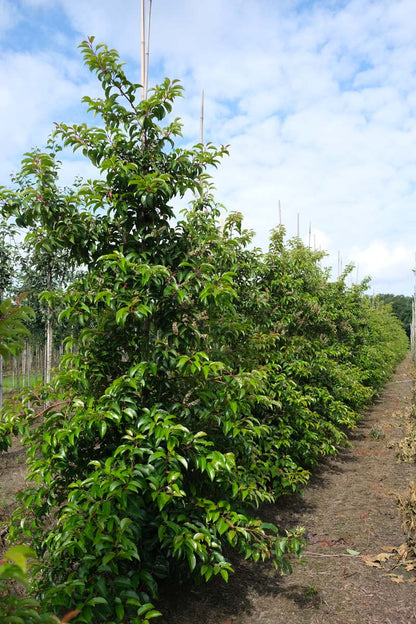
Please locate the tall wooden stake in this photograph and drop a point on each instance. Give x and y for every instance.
(146, 81)
(143, 50)
(413, 326)
(201, 129)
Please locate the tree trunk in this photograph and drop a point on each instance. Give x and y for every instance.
(1, 381)
(48, 334)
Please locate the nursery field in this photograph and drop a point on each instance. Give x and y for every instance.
(203, 386)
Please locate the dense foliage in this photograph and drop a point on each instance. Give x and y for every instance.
(14, 317)
(206, 377)
(15, 609)
(401, 306)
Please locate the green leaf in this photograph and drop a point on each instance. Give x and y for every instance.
(19, 555)
(355, 553)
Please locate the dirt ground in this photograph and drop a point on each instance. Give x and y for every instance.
(350, 515)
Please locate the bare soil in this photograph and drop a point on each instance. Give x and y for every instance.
(351, 517)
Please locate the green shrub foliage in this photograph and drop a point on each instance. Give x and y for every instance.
(205, 379)
(15, 609)
(402, 308)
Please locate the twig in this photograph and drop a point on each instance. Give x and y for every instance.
(310, 554)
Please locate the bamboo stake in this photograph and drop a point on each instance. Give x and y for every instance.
(280, 214)
(146, 82)
(413, 326)
(143, 51)
(298, 227)
(201, 130)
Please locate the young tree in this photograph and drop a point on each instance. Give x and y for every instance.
(11, 317)
(13, 329)
(141, 458)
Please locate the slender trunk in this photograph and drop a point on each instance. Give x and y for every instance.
(23, 365)
(28, 363)
(48, 350)
(48, 333)
(1, 381)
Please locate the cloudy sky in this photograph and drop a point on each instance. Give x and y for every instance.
(317, 100)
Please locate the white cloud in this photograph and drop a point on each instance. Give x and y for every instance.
(35, 91)
(389, 265)
(317, 100)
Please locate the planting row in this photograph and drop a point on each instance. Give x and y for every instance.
(202, 377)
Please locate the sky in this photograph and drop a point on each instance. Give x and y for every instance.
(316, 99)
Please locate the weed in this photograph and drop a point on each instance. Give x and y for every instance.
(376, 433)
(311, 592)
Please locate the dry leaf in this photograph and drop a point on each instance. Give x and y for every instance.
(402, 550)
(395, 578)
(370, 561)
(383, 557)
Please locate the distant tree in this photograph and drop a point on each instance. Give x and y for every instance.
(401, 307)
(6, 280)
(13, 330)
(38, 206)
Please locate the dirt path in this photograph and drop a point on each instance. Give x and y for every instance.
(349, 504)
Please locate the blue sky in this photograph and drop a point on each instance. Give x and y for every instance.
(316, 99)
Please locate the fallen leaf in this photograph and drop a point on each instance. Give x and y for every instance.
(403, 550)
(370, 561)
(355, 553)
(383, 557)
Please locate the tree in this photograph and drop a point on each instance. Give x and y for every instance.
(142, 423)
(13, 329)
(401, 306)
(39, 207)
(12, 316)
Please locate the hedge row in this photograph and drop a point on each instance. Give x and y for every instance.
(204, 377)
